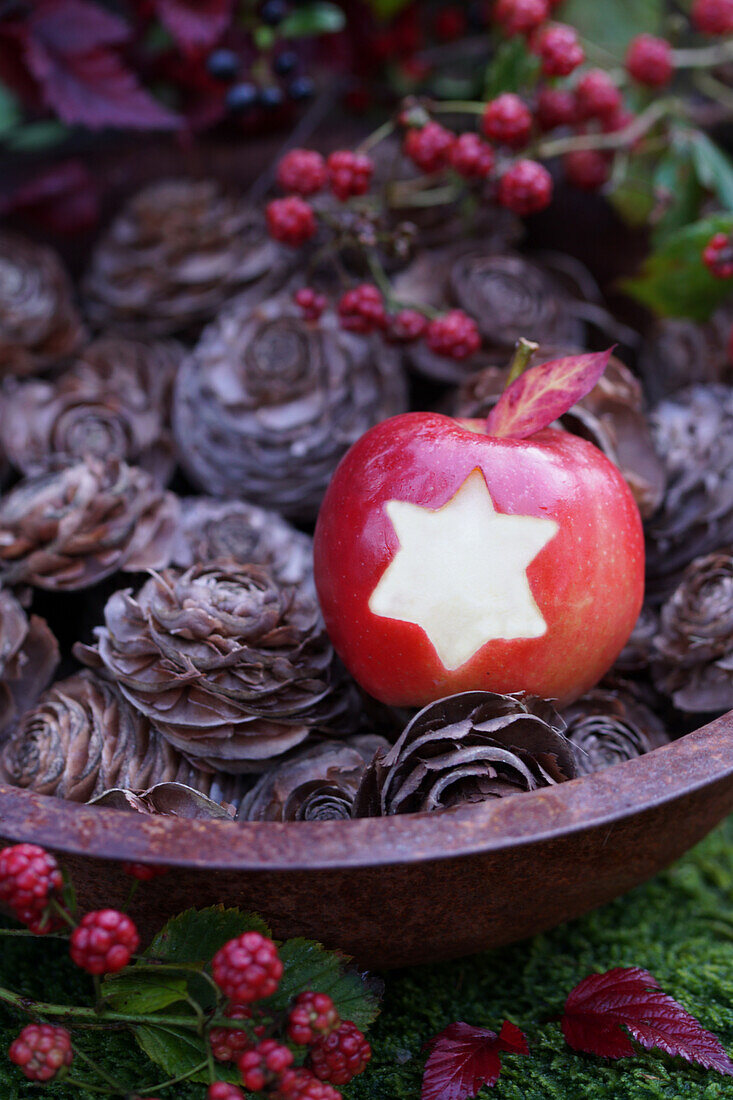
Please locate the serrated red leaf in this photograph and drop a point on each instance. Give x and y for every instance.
(543, 393)
(195, 24)
(463, 1059)
(602, 1005)
(75, 26)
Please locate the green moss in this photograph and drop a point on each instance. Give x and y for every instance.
(679, 926)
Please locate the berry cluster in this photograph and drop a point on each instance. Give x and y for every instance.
(30, 880)
(718, 256)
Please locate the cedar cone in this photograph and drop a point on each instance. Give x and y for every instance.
(39, 324)
(693, 434)
(318, 783)
(29, 654)
(70, 528)
(115, 402)
(611, 724)
(694, 647)
(174, 254)
(468, 748)
(83, 738)
(639, 649)
(169, 800)
(678, 352)
(268, 403)
(231, 667)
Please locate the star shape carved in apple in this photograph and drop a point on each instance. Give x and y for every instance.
(460, 572)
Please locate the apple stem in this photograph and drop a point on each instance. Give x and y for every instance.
(523, 352)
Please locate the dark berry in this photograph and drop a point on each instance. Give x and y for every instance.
(41, 1050)
(302, 171)
(104, 942)
(587, 169)
(349, 173)
(273, 12)
(301, 88)
(271, 97)
(406, 326)
(649, 61)
(227, 1043)
(290, 220)
(285, 63)
(454, 335)
(143, 872)
(361, 309)
(29, 879)
(525, 188)
(718, 256)
(310, 302)
(596, 96)
(241, 97)
(555, 107)
(342, 1055)
(300, 1084)
(248, 968)
(507, 120)
(428, 148)
(713, 16)
(222, 65)
(222, 1090)
(264, 1064)
(521, 16)
(559, 50)
(312, 1015)
(471, 157)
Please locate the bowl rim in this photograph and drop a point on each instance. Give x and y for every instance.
(597, 801)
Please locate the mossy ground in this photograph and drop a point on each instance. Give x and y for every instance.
(679, 926)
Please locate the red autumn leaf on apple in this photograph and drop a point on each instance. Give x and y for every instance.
(543, 393)
(464, 1058)
(195, 24)
(602, 1005)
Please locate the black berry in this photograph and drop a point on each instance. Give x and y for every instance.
(271, 97)
(285, 63)
(222, 65)
(242, 97)
(301, 88)
(273, 12)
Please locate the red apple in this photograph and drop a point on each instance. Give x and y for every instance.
(450, 560)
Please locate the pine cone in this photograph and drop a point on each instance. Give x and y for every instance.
(175, 253)
(693, 434)
(115, 402)
(318, 783)
(637, 653)
(678, 352)
(468, 748)
(268, 404)
(39, 324)
(611, 724)
(69, 529)
(168, 800)
(231, 667)
(29, 654)
(83, 738)
(694, 647)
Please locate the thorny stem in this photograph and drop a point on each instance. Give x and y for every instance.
(714, 89)
(704, 58)
(63, 914)
(631, 133)
(175, 1080)
(376, 136)
(523, 352)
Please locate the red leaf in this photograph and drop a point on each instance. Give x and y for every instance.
(76, 26)
(545, 392)
(195, 24)
(64, 199)
(464, 1058)
(629, 997)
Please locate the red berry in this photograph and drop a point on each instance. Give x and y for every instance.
(222, 1090)
(361, 309)
(247, 968)
(718, 256)
(713, 16)
(507, 120)
(596, 96)
(41, 1050)
(264, 1065)
(104, 941)
(588, 169)
(312, 1014)
(340, 1056)
(144, 872)
(302, 171)
(29, 879)
(311, 302)
(559, 50)
(617, 121)
(349, 173)
(555, 107)
(429, 147)
(300, 1084)
(649, 60)
(521, 16)
(405, 326)
(471, 157)
(525, 188)
(227, 1043)
(454, 335)
(290, 220)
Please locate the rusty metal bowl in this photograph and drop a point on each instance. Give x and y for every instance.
(414, 888)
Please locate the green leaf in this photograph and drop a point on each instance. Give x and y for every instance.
(38, 135)
(511, 69)
(714, 168)
(311, 19)
(677, 192)
(674, 281)
(196, 935)
(9, 110)
(135, 991)
(309, 966)
(633, 194)
(613, 23)
(175, 1050)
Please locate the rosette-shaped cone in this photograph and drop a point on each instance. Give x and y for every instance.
(639, 649)
(115, 402)
(611, 724)
(39, 323)
(211, 529)
(29, 654)
(70, 528)
(678, 352)
(318, 783)
(694, 646)
(168, 800)
(693, 434)
(232, 668)
(175, 253)
(83, 738)
(468, 748)
(268, 403)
